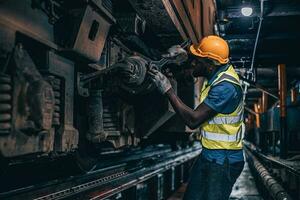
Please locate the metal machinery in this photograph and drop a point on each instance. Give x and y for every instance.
(79, 117)
(74, 85)
(73, 71)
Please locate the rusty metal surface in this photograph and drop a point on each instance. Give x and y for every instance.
(22, 17)
(193, 19)
(5, 104)
(61, 40)
(64, 69)
(87, 32)
(282, 85)
(31, 109)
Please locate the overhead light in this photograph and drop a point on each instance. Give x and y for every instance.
(247, 11)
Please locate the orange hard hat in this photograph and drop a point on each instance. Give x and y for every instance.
(213, 47)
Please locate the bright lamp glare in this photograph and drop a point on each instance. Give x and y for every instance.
(247, 11)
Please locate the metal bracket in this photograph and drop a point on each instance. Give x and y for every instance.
(50, 7)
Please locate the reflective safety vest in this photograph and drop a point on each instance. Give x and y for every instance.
(223, 131)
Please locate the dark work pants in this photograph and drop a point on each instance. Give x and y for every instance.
(212, 181)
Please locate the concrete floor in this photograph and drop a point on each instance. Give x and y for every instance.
(243, 189)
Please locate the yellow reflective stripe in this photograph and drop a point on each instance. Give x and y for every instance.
(211, 144)
(235, 117)
(226, 120)
(222, 128)
(224, 137)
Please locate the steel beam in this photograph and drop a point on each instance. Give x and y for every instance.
(283, 111)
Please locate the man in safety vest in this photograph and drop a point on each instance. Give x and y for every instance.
(219, 116)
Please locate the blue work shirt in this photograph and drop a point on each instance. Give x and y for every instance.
(223, 98)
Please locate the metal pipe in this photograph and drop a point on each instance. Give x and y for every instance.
(282, 106)
(250, 110)
(273, 187)
(264, 105)
(255, 45)
(293, 95)
(258, 33)
(259, 87)
(257, 115)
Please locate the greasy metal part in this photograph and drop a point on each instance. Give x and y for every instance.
(29, 107)
(56, 85)
(95, 117)
(5, 104)
(39, 93)
(67, 135)
(83, 79)
(131, 75)
(283, 111)
(87, 32)
(131, 72)
(275, 189)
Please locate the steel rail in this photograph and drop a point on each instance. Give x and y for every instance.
(107, 183)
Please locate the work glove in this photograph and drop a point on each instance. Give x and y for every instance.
(161, 81)
(176, 54)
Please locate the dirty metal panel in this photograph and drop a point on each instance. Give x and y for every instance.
(86, 35)
(28, 107)
(64, 68)
(19, 15)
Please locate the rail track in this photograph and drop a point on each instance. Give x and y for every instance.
(154, 172)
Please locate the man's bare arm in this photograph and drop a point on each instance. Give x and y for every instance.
(192, 118)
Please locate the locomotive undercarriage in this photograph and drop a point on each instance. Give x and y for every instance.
(59, 96)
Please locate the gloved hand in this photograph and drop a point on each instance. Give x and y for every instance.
(174, 51)
(161, 81)
(177, 54)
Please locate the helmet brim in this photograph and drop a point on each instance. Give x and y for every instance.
(198, 53)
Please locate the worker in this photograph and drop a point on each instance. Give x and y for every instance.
(219, 116)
